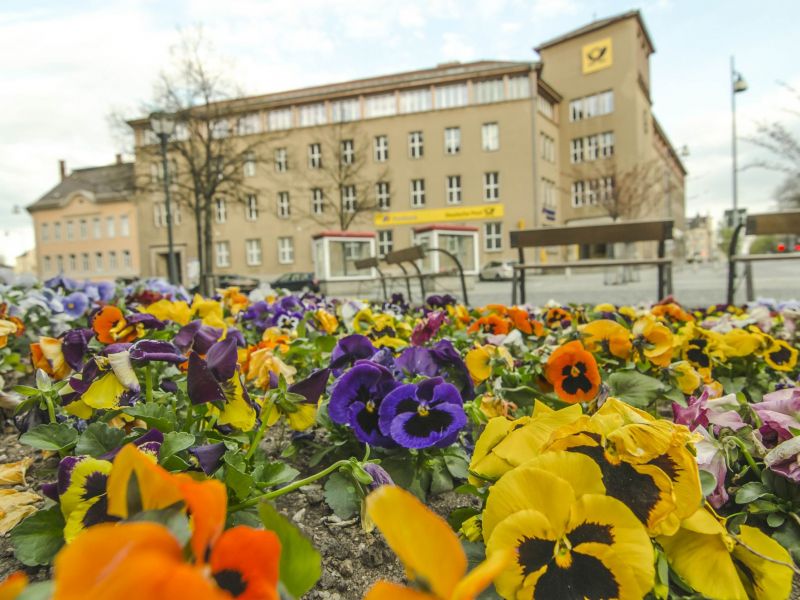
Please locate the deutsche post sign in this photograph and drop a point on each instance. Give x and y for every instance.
(439, 215)
(597, 56)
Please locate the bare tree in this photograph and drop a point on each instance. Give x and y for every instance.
(344, 178)
(788, 193)
(625, 192)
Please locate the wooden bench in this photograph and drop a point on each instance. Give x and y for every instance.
(631, 231)
(778, 223)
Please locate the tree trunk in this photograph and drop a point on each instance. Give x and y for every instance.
(198, 231)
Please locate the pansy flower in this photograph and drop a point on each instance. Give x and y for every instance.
(47, 355)
(326, 321)
(427, 327)
(573, 373)
(74, 344)
(350, 349)
(431, 553)
(780, 355)
(779, 412)
(652, 341)
(209, 311)
(233, 300)
(9, 325)
(198, 337)
(299, 407)
(12, 586)
(111, 326)
(568, 538)
(356, 398)
(738, 343)
(481, 361)
(216, 379)
(423, 415)
(557, 318)
(605, 335)
(75, 304)
(264, 367)
(686, 376)
(493, 323)
(177, 311)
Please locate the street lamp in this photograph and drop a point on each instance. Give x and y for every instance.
(163, 125)
(738, 84)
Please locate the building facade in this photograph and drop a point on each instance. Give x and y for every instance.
(86, 227)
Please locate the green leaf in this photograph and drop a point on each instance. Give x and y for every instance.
(301, 564)
(155, 415)
(273, 474)
(750, 492)
(708, 482)
(635, 388)
(775, 519)
(342, 496)
(99, 439)
(458, 466)
(26, 390)
(41, 590)
(441, 481)
(56, 437)
(238, 481)
(174, 519)
(458, 515)
(174, 442)
(38, 538)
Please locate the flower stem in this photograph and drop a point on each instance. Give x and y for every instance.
(739, 541)
(747, 456)
(148, 384)
(289, 488)
(262, 429)
(51, 410)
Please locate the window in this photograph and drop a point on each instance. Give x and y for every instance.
(279, 119)
(545, 107)
(312, 114)
(417, 193)
(249, 167)
(281, 160)
(112, 260)
(548, 148)
(247, 124)
(44, 232)
(591, 106)
(385, 242)
(70, 230)
(84, 229)
(223, 254)
(317, 201)
(576, 110)
(590, 148)
(381, 148)
(452, 140)
(56, 230)
(491, 186)
(47, 264)
(84, 262)
(450, 96)
(251, 208)
(453, 189)
(490, 137)
(60, 263)
(253, 251)
(284, 208)
(98, 261)
(382, 195)
(576, 150)
(126, 259)
(415, 148)
(606, 189)
(285, 250)
(314, 156)
(348, 152)
(383, 105)
(97, 228)
(489, 91)
(349, 202)
(519, 87)
(221, 211)
(415, 101)
(607, 144)
(577, 193)
(492, 237)
(124, 226)
(220, 129)
(159, 214)
(548, 194)
(73, 263)
(345, 110)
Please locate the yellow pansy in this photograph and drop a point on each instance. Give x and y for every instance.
(177, 311)
(209, 311)
(685, 375)
(327, 321)
(479, 361)
(652, 341)
(605, 335)
(739, 343)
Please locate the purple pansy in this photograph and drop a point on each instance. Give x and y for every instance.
(784, 459)
(205, 378)
(149, 442)
(421, 415)
(196, 336)
(379, 476)
(703, 412)
(356, 399)
(452, 366)
(145, 351)
(711, 458)
(427, 327)
(74, 344)
(416, 360)
(350, 349)
(209, 456)
(440, 301)
(75, 304)
(312, 387)
(779, 412)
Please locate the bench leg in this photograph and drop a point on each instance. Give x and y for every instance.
(514, 287)
(661, 277)
(731, 280)
(748, 279)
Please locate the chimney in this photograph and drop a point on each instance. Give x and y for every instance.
(119, 159)
(62, 167)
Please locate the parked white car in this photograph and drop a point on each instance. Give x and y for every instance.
(497, 270)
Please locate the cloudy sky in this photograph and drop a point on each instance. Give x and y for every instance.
(66, 64)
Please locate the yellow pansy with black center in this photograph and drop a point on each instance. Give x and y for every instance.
(780, 355)
(571, 541)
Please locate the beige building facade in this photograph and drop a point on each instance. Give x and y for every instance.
(86, 227)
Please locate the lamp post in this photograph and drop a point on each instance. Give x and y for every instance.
(163, 125)
(738, 84)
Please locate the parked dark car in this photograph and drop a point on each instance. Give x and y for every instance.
(297, 282)
(243, 282)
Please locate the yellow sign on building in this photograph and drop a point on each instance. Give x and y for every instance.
(597, 56)
(438, 215)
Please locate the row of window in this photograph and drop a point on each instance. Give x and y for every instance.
(594, 105)
(592, 191)
(352, 109)
(75, 263)
(253, 252)
(46, 230)
(592, 147)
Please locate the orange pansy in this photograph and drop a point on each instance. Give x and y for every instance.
(109, 326)
(573, 372)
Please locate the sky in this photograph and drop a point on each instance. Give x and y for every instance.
(66, 65)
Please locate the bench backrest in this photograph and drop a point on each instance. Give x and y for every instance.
(630, 231)
(774, 223)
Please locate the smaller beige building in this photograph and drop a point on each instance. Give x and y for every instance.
(25, 263)
(86, 226)
(701, 241)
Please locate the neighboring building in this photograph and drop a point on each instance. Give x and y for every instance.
(700, 241)
(86, 226)
(26, 263)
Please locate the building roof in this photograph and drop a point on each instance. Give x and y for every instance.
(599, 24)
(670, 148)
(407, 79)
(106, 184)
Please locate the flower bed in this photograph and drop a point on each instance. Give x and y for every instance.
(594, 451)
